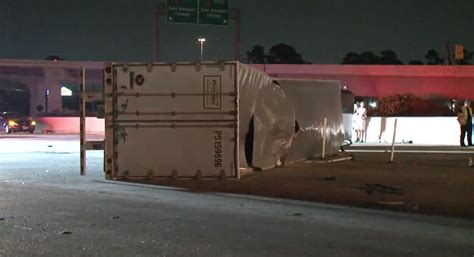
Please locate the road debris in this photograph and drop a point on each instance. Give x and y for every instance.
(24, 228)
(392, 203)
(329, 178)
(379, 188)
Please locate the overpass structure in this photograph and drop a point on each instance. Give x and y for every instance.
(455, 81)
(42, 77)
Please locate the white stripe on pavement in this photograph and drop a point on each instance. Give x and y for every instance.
(408, 151)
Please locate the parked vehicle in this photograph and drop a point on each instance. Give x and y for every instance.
(13, 122)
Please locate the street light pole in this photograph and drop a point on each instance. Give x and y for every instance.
(201, 41)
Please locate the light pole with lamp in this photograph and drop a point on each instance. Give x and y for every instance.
(201, 41)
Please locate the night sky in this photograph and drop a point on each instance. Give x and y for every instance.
(323, 31)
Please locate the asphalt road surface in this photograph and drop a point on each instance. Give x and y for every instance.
(47, 209)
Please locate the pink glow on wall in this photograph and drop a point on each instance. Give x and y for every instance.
(70, 125)
(383, 80)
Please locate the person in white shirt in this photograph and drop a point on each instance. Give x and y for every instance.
(360, 118)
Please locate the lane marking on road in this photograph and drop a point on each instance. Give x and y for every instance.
(409, 151)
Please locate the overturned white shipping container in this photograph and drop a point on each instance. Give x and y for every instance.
(212, 120)
(312, 102)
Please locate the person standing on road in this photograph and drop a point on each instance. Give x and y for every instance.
(354, 121)
(465, 120)
(360, 121)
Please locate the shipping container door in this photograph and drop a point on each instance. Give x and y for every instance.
(171, 120)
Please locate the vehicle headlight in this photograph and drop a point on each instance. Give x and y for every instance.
(33, 123)
(12, 123)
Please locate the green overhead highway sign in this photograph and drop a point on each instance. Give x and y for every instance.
(214, 12)
(211, 12)
(182, 11)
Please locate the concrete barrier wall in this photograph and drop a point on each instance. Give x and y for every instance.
(419, 130)
(69, 125)
(450, 81)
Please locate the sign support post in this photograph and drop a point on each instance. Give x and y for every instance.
(82, 121)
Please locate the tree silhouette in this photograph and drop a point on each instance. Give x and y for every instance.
(53, 58)
(256, 55)
(369, 58)
(415, 62)
(351, 58)
(432, 58)
(386, 57)
(278, 54)
(283, 53)
(389, 57)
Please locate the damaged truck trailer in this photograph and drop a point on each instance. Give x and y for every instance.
(212, 120)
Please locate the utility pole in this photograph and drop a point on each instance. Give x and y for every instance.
(448, 48)
(235, 15)
(159, 11)
(154, 34)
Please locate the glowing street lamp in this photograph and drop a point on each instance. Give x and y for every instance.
(201, 41)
